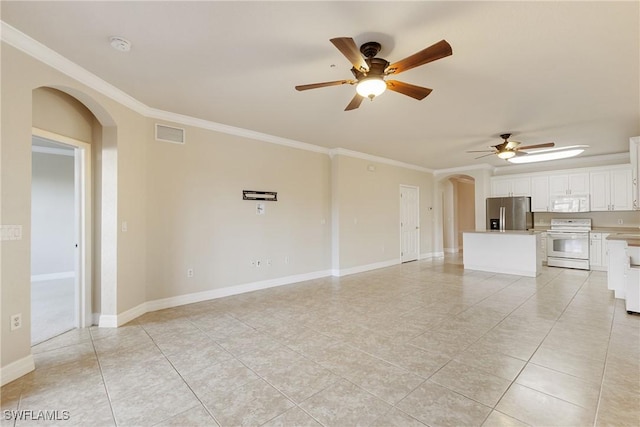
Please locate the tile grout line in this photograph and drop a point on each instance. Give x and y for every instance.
(555, 322)
(180, 375)
(104, 381)
(604, 369)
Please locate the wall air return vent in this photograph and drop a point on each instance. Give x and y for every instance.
(169, 134)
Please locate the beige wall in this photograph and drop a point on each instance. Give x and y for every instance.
(465, 207)
(196, 217)
(183, 205)
(60, 113)
(22, 74)
(367, 210)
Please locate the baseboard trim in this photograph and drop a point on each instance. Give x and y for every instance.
(15, 370)
(114, 321)
(163, 303)
(429, 255)
(451, 250)
(366, 267)
(53, 276)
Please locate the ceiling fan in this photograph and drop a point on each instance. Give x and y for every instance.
(369, 71)
(508, 149)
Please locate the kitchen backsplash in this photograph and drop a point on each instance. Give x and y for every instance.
(630, 219)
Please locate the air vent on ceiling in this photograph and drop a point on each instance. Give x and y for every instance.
(169, 134)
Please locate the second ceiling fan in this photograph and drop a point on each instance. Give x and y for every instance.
(369, 71)
(508, 149)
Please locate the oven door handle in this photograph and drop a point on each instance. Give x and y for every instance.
(568, 236)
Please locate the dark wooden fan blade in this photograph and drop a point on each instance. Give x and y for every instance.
(325, 84)
(416, 92)
(355, 103)
(348, 48)
(436, 51)
(530, 147)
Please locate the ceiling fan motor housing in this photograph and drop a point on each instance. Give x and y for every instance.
(370, 49)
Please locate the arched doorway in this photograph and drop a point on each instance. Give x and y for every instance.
(458, 201)
(69, 127)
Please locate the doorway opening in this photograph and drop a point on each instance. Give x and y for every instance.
(458, 210)
(60, 235)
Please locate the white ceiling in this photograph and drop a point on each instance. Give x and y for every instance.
(566, 72)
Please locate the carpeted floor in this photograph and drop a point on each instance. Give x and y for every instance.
(52, 309)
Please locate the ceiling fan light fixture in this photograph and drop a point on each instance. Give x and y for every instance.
(371, 87)
(546, 155)
(506, 154)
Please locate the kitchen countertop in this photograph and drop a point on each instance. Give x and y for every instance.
(632, 239)
(511, 232)
(632, 230)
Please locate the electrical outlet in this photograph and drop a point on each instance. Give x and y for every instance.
(258, 263)
(620, 222)
(190, 272)
(16, 321)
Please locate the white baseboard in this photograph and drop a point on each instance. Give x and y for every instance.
(114, 321)
(15, 370)
(429, 255)
(53, 276)
(363, 268)
(163, 303)
(451, 250)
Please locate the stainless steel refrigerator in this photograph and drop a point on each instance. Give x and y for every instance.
(509, 213)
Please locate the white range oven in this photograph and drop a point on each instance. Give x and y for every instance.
(568, 243)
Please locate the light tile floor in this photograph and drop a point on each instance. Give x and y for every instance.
(423, 343)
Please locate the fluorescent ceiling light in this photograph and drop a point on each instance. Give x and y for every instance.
(371, 87)
(550, 154)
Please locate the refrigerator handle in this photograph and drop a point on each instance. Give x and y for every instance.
(502, 215)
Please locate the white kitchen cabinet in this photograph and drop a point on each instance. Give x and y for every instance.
(543, 248)
(611, 190)
(598, 251)
(618, 262)
(569, 184)
(634, 152)
(605, 251)
(540, 194)
(595, 251)
(510, 186)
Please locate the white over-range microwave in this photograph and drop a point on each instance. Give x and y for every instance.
(577, 203)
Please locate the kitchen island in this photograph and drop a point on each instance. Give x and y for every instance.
(507, 252)
(623, 275)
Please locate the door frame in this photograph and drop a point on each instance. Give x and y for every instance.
(83, 223)
(417, 190)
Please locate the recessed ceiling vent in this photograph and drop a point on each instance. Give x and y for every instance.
(169, 134)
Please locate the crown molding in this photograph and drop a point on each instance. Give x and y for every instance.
(44, 54)
(460, 169)
(372, 158)
(167, 116)
(571, 163)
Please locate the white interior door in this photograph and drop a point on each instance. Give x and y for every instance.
(409, 223)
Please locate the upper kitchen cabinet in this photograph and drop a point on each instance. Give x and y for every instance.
(569, 184)
(539, 194)
(612, 190)
(510, 186)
